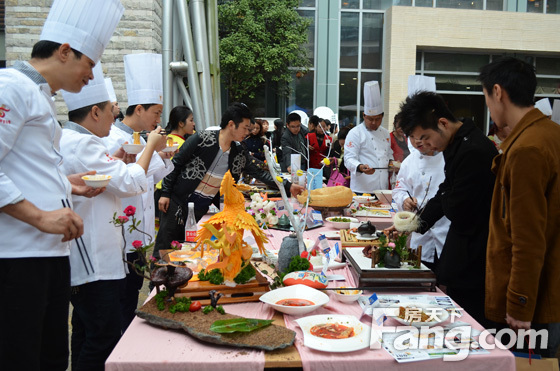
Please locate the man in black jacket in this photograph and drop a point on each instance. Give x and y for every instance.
(200, 166)
(294, 142)
(463, 197)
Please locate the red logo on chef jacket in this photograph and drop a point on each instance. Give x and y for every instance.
(3, 110)
(349, 144)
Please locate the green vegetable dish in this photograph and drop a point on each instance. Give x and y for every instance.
(339, 220)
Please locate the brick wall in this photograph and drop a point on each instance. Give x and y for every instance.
(139, 31)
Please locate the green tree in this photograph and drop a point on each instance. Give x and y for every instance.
(260, 41)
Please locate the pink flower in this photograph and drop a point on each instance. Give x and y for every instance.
(153, 259)
(130, 210)
(122, 219)
(137, 244)
(175, 245)
(391, 245)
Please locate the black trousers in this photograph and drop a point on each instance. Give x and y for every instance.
(169, 229)
(96, 323)
(35, 296)
(471, 300)
(129, 291)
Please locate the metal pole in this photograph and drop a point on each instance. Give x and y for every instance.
(214, 54)
(190, 58)
(177, 56)
(166, 57)
(201, 49)
(183, 90)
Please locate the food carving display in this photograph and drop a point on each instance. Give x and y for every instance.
(307, 278)
(263, 210)
(228, 226)
(338, 196)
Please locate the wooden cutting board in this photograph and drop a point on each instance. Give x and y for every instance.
(349, 240)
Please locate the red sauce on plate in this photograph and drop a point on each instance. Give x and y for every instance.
(332, 331)
(295, 302)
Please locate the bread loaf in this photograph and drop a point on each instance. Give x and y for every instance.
(338, 196)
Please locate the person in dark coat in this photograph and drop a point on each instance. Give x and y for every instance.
(294, 142)
(464, 197)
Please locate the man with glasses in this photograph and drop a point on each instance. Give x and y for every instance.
(293, 142)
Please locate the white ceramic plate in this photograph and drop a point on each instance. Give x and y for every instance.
(341, 225)
(440, 314)
(295, 292)
(373, 213)
(172, 148)
(133, 149)
(360, 340)
(362, 199)
(334, 235)
(363, 238)
(97, 180)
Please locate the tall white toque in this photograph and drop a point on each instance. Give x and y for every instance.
(86, 25)
(417, 83)
(110, 89)
(144, 78)
(544, 106)
(373, 105)
(94, 92)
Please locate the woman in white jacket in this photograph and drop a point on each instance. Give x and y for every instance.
(418, 180)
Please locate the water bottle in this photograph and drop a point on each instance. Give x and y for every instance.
(190, 225)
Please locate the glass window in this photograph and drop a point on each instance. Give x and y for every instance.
(548, 86)
(535, 6)
(349, 33)
(494, 4)
(454, 62)
(384, 4)
(459, 4)
(418, 61)
(347, 90)
(424, 3)
(457, 82)
(553, 7)
(372, 38)
(310, 45)
(307, 3)
(548, 66)
(301, 94)
(350, 4)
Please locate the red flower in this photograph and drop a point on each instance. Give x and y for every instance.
(175, 245)
(137, 244)
(122, 219)
(130, 210)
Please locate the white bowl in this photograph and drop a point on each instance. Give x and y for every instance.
(384, 195)
(133, 149)
(295, 292)
(347, 296)
(341, 225)
(97, 180)
(440, 313)
(172, 148)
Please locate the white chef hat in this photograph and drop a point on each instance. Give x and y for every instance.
(94, 92)
(418, 83)
(556, 111)
(84, 24)
(144, 78)
(110, 89)
(373, 105)
(544, 106)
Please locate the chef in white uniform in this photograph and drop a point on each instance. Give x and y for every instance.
(368, 146)
(96, 285)
(420, 175)
(33, 188)
(144, 88)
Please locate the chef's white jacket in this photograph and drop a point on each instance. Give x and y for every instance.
(144, 203)
(84, 151)
(369, 147)
(29, 163)
(414, 177)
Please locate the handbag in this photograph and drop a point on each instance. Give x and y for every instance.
(337, 178)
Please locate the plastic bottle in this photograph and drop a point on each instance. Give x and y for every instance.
(190, 225)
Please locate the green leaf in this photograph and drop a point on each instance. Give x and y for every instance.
(228, 326)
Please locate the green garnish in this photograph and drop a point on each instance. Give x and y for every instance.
(214, 276)
(229, 326)
(207, 309)
(339, 220)
(246, 274)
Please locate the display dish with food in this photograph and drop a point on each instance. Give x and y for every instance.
(366, 197)
(347, 296)
(328, 197)
(296, 299)
(417, 315)
(334, 333)
(340, 222)
(171, 148)
(97, 180)
(384, 195)
(133, 149)
(362, 211)
(374, 205)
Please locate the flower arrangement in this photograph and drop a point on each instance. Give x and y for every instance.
(142, 266)
(263, 210)
(396, 245)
